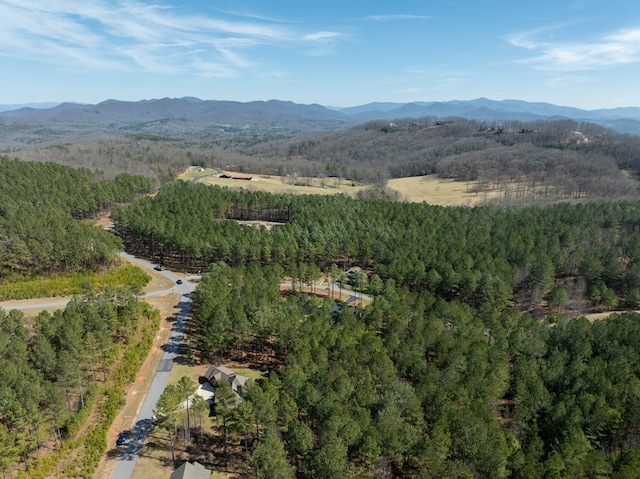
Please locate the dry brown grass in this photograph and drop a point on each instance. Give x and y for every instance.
(155, 461)
(278, 184)
(437, 191)
(415, 189)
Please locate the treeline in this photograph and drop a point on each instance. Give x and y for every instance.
(415, 386)
(563, 256)
(41, 208)
(51, 371)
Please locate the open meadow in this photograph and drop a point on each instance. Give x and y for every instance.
(278, 184)
(414, 189)
(437, 191)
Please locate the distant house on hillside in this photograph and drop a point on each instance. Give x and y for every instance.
(191, 471)
(218, 374)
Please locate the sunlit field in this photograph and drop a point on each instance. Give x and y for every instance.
(437, 191)
(415, 189)
(279, 184)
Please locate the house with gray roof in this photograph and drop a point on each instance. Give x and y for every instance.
(218, 374)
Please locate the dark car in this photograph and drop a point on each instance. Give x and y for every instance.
(179, 281)
(158, 268)
(122, 438)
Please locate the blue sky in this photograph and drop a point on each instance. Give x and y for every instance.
(583, 53)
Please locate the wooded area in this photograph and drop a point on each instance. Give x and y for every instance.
(56, 367)
(417, 386)
(55, 371)
(544, 161)
(40, 208)
(563, 257)
(465, 364)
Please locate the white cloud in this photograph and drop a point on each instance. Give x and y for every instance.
(619, 48)
(321, 43)
(129, 35)
(321, 36)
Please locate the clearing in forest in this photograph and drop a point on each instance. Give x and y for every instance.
(278, 184)
(438, 191)
(414, 189)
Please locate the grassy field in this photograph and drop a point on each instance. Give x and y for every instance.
(415, 189)
(278, 184)
(437, 191)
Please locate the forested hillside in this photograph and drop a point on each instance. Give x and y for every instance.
(56, 367)
(464, 365)
(416, 386)
(543, 161)
(553, 160)
(42, 206)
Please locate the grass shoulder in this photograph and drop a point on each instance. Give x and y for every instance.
(73, 283)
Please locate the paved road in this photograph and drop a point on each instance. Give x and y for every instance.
(131, 451)
(45, 303)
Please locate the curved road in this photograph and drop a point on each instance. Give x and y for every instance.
(131, 451)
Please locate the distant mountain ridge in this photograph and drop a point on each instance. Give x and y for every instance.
(624, 119)
(192, 110)
(175, 116)
(16, 106)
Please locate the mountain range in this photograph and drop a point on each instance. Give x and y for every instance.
(623, 120)
(193, 116)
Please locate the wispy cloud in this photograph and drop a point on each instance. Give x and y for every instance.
(619, 48)
(387, 18)
(321, 36)
(321, 43)
(568, 80)
(136, 35)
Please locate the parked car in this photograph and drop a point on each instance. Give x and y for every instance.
(122, 438)
(158, 267)
(179, 281)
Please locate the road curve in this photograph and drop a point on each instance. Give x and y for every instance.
(131, 450)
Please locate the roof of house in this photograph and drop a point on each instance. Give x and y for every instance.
(219, 372)
(236, 176)
(191, 471)
(222, 373)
